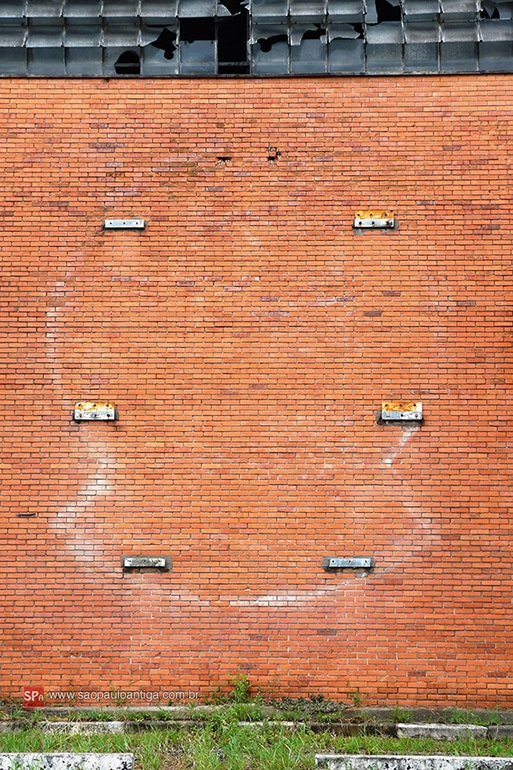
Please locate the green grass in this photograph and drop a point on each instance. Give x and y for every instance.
(222, 744)
(400, 714)
(465, 717)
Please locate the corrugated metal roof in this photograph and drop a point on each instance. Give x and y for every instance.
(151, 38)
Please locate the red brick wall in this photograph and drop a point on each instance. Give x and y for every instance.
(248, 337)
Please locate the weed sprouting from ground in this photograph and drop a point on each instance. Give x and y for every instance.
(314, 708)
(240, 692)
(400, 714)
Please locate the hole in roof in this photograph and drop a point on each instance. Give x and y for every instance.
(166, 41)
(129, 63)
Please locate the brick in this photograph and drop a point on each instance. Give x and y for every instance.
(248, 337)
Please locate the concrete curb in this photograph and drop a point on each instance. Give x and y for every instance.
(500, 731)
(85, 728)
(439, 732)
(391, 762)
(137, 726)
(67, 761)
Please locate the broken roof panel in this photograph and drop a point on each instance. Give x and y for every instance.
(210, 37)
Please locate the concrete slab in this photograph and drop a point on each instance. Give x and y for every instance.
(423, 762)
(11, 726)
(40, 761)
(500, 731)
(83, 728)
(439, 732)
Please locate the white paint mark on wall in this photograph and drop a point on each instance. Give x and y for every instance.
(408, 433)
(98, 485)
(301, 597)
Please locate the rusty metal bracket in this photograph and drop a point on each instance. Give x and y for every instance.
(374, 220)
(94, 410)
(400, 411)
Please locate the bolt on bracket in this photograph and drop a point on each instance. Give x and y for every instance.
(400, 411)
(94, 410)
(162, 563)
(124, 224)
(330, 563)
(374, 220)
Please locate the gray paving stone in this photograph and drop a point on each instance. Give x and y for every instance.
(500, 731)
(85, 728)
(40, 761)
(440, 732)
(392, 762)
